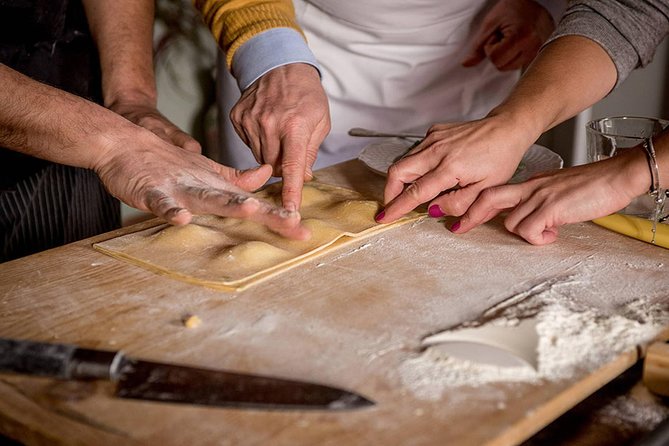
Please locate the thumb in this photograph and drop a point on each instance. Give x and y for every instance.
(185, 141)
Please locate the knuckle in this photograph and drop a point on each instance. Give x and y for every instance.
(434, 128)
(294, 124)
(291, 191)
(459, 207)
(394, 172)
(415, 190)
(244, 210)
(160, 203)
(267, 120)
(292, 169)
(508, 224)
(430, 139)
(193, 146)
(236, 114)
(327, 126)
(247, 118)
(488, 195)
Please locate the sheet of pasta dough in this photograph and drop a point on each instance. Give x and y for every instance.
(233, 254)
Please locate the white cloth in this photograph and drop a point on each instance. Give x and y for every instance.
(389, 66)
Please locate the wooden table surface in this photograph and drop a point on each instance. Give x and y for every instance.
(349, 319)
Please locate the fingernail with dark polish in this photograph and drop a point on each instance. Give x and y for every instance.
(435, 211)
(380, 216)
(455, 226)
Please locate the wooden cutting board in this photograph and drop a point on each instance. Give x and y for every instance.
(349, 319)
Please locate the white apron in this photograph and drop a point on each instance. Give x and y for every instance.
(386, 65)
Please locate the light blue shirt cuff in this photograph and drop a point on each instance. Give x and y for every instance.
(268, 50)
(555, 8)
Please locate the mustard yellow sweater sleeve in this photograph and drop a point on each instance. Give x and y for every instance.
(233, 22)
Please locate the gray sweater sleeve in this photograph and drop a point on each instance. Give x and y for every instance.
(628, 30)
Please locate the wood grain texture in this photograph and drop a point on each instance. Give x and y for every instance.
(349, 319)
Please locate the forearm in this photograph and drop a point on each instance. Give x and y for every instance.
(123, 31)
(568, 76)
(51, 124)
(234, 22)
(256, 36)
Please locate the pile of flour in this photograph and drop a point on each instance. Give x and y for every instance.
(571, 338)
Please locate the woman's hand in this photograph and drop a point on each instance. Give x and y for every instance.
(539, 206)
(459, 159)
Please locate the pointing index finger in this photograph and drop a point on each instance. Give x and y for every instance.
(293, 165)
(420, 191)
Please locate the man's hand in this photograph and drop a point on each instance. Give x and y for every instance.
(150, 118)
(284, 117)
(147, 173)
(511, 34)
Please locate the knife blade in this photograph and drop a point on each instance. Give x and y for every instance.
(145, 380)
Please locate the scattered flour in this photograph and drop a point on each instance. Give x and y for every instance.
(632, 414)
(346, 254)
(571, 339)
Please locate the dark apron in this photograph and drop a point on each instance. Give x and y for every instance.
(42, 204)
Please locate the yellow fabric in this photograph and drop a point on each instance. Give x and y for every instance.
(233, 22)
(635, 227)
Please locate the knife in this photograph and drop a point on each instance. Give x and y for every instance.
(146, 380)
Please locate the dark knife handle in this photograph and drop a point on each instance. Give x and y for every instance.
(61, 361)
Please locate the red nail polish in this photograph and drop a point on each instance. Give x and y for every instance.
(380, 216)
(455, 226)
(435, 211)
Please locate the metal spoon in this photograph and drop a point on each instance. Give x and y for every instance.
(357, 131)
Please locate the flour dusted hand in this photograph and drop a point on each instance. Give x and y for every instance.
(151, 175)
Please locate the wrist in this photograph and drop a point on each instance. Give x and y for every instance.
(268, 50)
(131, 98)
(525, 128)
(293, 72)
(118, 137)
(635, 174)
(298, 69)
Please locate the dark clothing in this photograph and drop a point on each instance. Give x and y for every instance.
(57, 205)
(43, 205)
